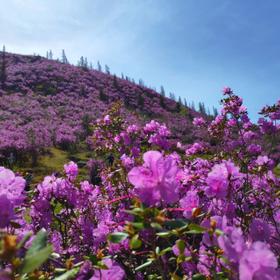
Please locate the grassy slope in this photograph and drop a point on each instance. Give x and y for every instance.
(53, 161)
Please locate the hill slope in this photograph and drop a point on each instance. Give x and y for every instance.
(46, 102)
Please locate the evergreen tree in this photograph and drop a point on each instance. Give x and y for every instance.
(185, 102)
(172, 96)
(193, 106)
(99, 67)
(64, 58)
(180, 101)
(50, 54)
(81, 62)
(115, 83)
(161, 101)
(201, 108)
(47, 55)
(162, 91)
(85, 63)
(178, 105)
(141, 82)
(107, 69)
(102, 95)
(3, 69)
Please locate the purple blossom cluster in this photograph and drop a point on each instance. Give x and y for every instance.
(158, 211)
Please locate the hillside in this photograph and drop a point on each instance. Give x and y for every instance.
(46, 103)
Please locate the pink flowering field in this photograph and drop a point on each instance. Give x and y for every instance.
(183, 196)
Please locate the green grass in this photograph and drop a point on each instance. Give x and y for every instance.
(277, 170)
(53, 161)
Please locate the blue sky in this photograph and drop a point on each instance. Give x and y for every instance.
(192, 47)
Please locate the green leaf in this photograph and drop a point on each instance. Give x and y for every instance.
(135, 242)
(156, 226)
(135, 211)
(175, 224)
(181, 246)
(219, 232)
(39, 242)
(140, 267)
(198, 277)
(70, 274)
(138, 225)
(117, 237)
(196, 229)
(35, 260)
(164, 251)
(164, 234)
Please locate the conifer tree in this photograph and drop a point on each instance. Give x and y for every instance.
(102, 95)
(107, 69)
(141, 82)
(50, 54)
(161, 101)
(64, 58)
(201, 108)
(179, 105)
(3, 69)
(99, 67)
(162, 91)
(85, 66)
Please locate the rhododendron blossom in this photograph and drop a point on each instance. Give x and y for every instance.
(155, 181)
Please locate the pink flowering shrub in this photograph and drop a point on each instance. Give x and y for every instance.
(152, 210)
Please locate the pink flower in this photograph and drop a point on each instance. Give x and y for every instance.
(189, 202)
(258, 263)
(107, 119)
(11, 186)
(227, 90)
(113, 271)
(71, 170)
(199, 122)
(219, 177)
(155, 181)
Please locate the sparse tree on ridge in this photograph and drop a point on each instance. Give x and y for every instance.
(99, 67)
(162, 91)
(161, 101)
(85, 63)
(3, 69)
(172, 96)
(193, 106)
(64, 58)
(107, 69)
(50, 54)
(141, 82)
(201, 108)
